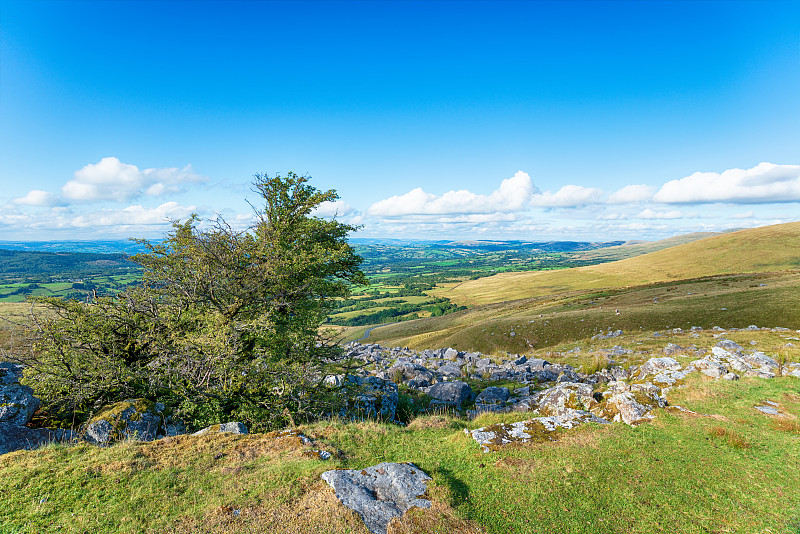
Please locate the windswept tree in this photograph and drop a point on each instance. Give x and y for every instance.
(224, 324)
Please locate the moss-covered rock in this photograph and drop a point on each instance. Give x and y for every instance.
(139, 419)
(537, 430)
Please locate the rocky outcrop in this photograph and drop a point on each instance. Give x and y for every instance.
(492, 399)
(17, 407)
(630, 404)
(17, 403)
(15, 438)
(381, 492)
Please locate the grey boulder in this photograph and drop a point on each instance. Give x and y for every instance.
(452, 394)
(381, 492)
(17, 404)
(138, 419)
(14, 438)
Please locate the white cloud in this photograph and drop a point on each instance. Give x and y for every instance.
(134, 215)
(37, 197)
(336, 208)
(631, 193)
(569, 196)
(766, 182)
(512, 195)
(651, 214)
(744, 215)
(111, 179)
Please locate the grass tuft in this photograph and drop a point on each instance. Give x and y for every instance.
(731, 437)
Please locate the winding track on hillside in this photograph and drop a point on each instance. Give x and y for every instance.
(369, 330)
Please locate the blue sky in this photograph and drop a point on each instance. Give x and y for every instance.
(487, 120)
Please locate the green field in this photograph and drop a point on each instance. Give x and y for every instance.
(78, 289)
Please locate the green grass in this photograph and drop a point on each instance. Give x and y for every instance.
(678, 474)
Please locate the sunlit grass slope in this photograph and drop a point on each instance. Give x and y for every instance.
(765, 249)
(733, 472)
(629, 250)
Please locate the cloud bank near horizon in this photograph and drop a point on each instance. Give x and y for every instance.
(133, 200)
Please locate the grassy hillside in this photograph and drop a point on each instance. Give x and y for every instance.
(769, 248)
(682, 473)
(519, 326)
(629, 250)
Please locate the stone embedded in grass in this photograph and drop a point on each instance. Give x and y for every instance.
(381, 492)
(671, 349)
(540, 429)
(232, 428)
(770, 408)
(15, 438)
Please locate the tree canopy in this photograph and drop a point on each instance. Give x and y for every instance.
(224, 324)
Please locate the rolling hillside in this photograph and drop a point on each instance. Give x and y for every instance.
(731, 280)
(765, 249)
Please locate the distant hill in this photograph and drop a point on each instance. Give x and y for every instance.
(21, 263)
(119, 246)
(764, 249)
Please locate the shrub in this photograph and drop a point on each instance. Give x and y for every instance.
(225, 323)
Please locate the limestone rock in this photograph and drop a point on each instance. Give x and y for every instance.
(138, 419)
(381, 492)
(493, 395)
(405, 370)
(452, 394)
(450, 370)
(630, 408)
(657, 365)
(565, 396)
(233, 428)
(729, 345)
(14, 438)
(492, 399)
(493, 437)
(17, 404)
(708, 367)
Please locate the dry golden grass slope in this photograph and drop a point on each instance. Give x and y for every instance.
(765, 249)
(637, 248)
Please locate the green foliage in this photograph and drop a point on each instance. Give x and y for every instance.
(224, 324)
